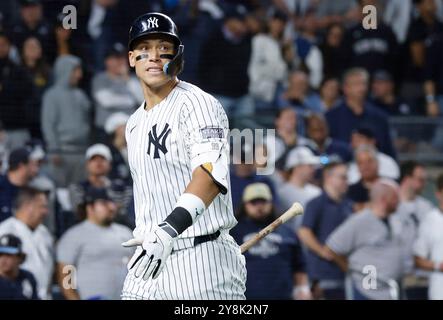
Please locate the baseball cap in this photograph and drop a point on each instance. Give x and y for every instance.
(117, 50)
(257, 191)
(93, 194)
(114, 121)
(19, 155)
(299, 156)
(10, 244)
(98, 149)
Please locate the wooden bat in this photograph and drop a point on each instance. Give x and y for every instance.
(295, 210)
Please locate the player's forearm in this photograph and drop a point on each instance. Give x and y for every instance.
(202, 186)
(340, 260)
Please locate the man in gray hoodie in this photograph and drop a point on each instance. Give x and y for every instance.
(65, 122)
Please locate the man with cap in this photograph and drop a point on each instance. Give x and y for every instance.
(115, 126)
(300, 164)
(98, 166)
(11, 257)
(387, 166)
(21, 170)
(275, 265)
(38, 243)
(115, 89)
(93, 248)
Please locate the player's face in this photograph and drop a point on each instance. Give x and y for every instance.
(9, 263)
(150, 68)
(258, 209)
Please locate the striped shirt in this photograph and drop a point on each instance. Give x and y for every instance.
(165, 145)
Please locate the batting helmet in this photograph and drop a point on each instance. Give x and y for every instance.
(158, 23)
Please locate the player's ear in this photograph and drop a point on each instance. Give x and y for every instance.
(131, 58)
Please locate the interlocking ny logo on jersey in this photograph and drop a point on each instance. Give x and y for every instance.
(158, 141)
(152, 22)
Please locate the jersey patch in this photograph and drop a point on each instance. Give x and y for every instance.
(212, 133)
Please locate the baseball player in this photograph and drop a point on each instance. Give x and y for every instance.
(178, 157)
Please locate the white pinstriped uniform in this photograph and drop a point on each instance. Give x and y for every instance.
(162, 144)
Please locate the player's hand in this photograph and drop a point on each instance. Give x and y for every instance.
(157, 246)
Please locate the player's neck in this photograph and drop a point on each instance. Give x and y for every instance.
(154, 96)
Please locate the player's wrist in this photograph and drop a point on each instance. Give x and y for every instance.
(186, 211)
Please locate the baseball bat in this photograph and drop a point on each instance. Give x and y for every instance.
(295, 210)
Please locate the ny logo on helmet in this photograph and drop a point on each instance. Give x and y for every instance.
(152, 22)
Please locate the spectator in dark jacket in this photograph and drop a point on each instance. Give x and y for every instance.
(280, 250)
(11, 257)
(357, 112)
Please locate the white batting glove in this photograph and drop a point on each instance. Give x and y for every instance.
(157, 246)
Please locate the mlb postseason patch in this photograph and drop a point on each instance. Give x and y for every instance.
(211, 133)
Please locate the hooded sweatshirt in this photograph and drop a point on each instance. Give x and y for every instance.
(65, 110)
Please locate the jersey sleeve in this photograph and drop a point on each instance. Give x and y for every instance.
(205, 132)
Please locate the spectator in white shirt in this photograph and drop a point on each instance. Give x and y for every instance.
(387, 167)
(301, 164)
(428, 248)
(38, 243)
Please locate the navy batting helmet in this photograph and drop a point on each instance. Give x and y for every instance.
(158, 23)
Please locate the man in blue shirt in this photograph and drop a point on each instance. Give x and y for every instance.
(275, 265)
(21, 170)
(15, 283)
(356, 112)
(322, 215)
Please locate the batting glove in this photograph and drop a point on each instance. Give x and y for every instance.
(157, 246)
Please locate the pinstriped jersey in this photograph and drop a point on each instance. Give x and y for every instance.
(165, 144)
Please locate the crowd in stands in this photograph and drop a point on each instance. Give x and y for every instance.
(328, 86)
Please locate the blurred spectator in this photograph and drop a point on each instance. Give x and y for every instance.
(356, 112)
(31, 209)
(421, 30)
(411, 212)
(298, 96)
(39, 71)
(383, 95)
(433, 73)
(345, 12)
(372, 49)
(329, 94)
(280, 250)
(331, 48)
(94, 248)
(307, 55)
(267, 68)
(322, 215)
(300, 163)
(65, 122)
(115, 89)
(227, 78)
(367, 239)
(98, 166)
(428, 248)
(11, 257)
(115, 128)
(286, 137)
(9, 13)
(243, 174)
(387, 167)
(3, 148)
(21, 170)
(32, 23)
(398, 15)
(367, 163)
(16, 87)
(321, 143)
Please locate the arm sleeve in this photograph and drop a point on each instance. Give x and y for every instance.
(205, 127)
(49, 122)
(341, 241)
(68, 248)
